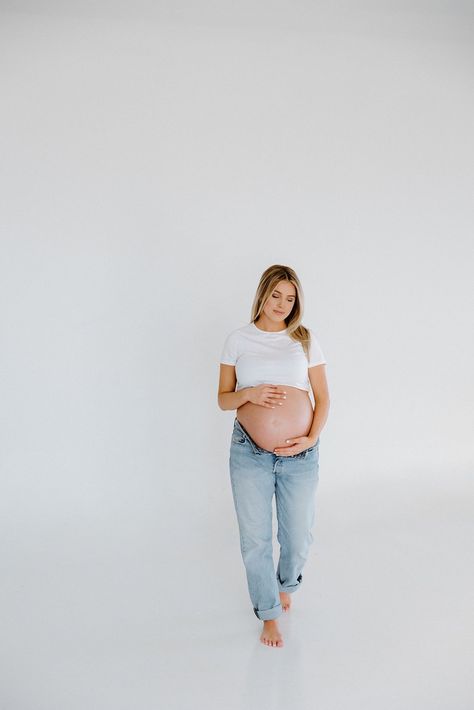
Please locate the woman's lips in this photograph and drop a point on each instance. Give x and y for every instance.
(280, 313)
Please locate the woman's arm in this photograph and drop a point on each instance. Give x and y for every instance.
(227, 397)
(319, 385)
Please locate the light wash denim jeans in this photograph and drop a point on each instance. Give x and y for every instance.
(256, 474)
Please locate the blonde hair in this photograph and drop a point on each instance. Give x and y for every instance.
(268, 281)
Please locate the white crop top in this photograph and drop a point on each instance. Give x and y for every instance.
(274, 358)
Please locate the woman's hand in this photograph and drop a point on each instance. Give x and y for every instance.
(297, 445)
(267, 395)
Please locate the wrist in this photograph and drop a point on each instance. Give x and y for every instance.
(248, 394)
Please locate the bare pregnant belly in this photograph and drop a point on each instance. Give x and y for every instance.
(269, 428)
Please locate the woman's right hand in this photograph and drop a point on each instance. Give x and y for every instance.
(267, 395)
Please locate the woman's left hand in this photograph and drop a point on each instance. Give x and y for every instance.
(295, 446)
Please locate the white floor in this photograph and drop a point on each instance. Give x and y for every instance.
(155, 620)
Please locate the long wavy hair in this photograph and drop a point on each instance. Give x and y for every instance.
(268, 281)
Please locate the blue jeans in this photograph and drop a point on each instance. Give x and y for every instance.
(256, 474)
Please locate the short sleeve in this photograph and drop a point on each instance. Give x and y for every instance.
(316, 355)
(229, 352)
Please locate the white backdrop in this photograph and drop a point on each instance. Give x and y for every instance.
(155, 160)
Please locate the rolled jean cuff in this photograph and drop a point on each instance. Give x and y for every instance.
(267, 614)
(289, 588)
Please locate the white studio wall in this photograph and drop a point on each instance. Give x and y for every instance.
(155, 160)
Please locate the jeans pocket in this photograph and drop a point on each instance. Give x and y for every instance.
(312, 449)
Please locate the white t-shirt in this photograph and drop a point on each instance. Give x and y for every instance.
(261, 357)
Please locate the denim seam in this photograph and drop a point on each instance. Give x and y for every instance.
(237, 509)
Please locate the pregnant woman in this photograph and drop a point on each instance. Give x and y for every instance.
(267, 370)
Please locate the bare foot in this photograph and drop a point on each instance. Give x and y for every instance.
(285, 599)
(271, 635)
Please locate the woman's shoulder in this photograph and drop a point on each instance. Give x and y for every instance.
(234, 344)
(240, 330)
(312, 331)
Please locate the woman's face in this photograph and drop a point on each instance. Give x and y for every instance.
(281, 301)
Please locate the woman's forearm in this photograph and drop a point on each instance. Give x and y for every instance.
(321, 411)
(233, 400)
